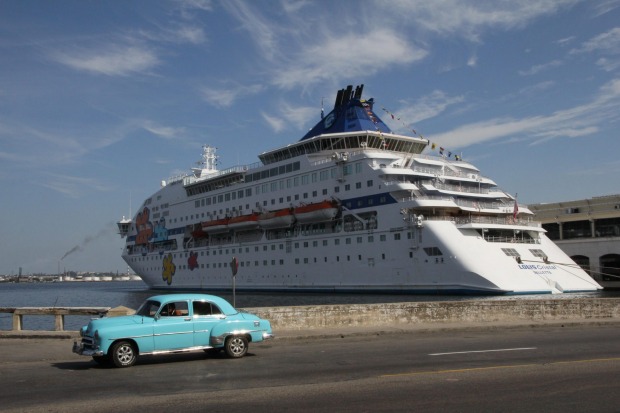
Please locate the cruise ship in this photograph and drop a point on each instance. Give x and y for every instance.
(350, 207)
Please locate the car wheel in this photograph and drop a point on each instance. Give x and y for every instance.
(123, 354)
(236, 346)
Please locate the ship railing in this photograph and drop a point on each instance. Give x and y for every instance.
(465, 189)
(479, 205)
(478, 219)
(190, 179)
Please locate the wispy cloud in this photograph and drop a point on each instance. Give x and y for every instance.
(608, 42)
(72, 186)
(470, 19)
(166, 132)
(263, 31)
(540, 68)
(110, 60)
(225, 97)
(425, 107)
(578, 121)
(276, 123)
(296, 117)
(350, 55)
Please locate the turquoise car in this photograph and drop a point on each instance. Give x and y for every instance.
(169, 324)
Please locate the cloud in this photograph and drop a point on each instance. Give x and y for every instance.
(225, 97)
(72, 186)
(540, 68)
(289, 115)
(166, 132)
(111, 60)
(608, 42)
(578, 121)
(425, 107)
(277, 124)
(470, 19)
(351, 55)
(263, 32)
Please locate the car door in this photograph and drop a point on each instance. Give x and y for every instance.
(173, 327)
(206, 316)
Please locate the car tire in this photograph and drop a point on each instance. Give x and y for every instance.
(123, 354)
(236, 346)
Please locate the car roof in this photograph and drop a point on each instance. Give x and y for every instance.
(224, 305)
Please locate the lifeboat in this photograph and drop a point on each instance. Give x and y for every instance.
(317, 212)
(198, 233)
(243, 222)
(217, 225)
(282, 218)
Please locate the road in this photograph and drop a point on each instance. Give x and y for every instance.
(542, 369)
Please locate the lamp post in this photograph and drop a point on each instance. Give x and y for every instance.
(234, 266)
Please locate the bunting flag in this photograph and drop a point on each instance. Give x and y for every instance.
(432, 144)
(515, 209)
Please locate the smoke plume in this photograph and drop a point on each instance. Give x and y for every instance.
(88, 240)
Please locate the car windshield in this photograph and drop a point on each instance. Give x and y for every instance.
(148, 308)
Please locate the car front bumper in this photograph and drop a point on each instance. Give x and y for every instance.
(81, 350)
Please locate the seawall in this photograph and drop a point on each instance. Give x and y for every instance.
(406, 314)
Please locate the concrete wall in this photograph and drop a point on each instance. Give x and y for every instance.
(394, 314)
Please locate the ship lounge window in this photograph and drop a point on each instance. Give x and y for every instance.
(432, 251)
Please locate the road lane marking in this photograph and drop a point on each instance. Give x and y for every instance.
(512, 366)
(484, 351)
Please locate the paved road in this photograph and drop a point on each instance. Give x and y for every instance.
(547, 368)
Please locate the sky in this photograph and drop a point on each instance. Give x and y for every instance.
(102, 100)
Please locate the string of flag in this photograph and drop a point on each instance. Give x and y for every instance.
(434, 146)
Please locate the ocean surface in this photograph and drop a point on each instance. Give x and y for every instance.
(132, 293)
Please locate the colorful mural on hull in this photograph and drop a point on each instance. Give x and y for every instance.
(168, 269)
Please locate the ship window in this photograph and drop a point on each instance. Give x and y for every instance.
(369, 183)
(511, 252)
(337, 241)
(396, 237)
(347, 187)
(538, 253)
(432, 251)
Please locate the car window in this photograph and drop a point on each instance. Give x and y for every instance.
(203, 308)
(174, 309)
(148, 308)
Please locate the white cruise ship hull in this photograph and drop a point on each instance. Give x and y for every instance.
(368, 213)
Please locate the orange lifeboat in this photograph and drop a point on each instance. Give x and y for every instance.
(282, 218)
(217, 225)
(243, 222)
(317, 212)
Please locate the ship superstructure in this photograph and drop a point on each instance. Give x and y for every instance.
(350, 207)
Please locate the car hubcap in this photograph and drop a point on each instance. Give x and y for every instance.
(125, 354)
(237, 346)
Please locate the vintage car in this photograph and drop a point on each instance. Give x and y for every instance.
(172, 323)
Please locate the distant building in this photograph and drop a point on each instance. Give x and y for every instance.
(588, 230)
